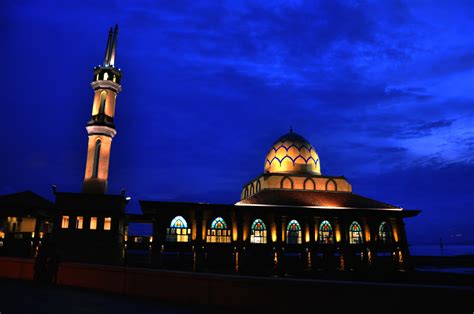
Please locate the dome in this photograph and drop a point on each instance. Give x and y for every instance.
(292, 153)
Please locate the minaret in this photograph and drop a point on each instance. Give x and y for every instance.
(101, 128)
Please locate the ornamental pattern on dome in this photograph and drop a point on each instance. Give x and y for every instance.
(292, 153)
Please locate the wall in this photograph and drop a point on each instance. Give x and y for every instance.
(240, 292)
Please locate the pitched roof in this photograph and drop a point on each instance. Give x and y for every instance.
(24, 203)
(282, 197)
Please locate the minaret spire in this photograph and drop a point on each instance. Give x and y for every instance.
(108, 48)
(101, 127)
(114, 45)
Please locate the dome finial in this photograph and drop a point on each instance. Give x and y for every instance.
(291, 129)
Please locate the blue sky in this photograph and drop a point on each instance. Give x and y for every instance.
(382, 89)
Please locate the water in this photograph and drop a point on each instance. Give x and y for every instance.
(448, 249)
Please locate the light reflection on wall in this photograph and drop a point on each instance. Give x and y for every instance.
(337, 232)
(274, 233)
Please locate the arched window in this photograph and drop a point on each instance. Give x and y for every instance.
(252, 191)
(95, 165)
(246, 192)
(293, 233)
(325, 233)
(331, 185)
(355, 233)
(385, 234)
(219, 232)
(286, 183)
(259, 232)
(309, 184)
(103, 99)
(106, 76)
(178, 230)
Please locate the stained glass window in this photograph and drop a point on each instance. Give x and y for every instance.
(355, 233)
(259, 232)
(178, 230)
(218, 233)
(385, 234)
(325, 233)
(293, 233)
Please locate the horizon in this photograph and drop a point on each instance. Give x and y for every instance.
(382, 92)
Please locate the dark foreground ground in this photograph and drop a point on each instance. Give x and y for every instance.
(343, 297)
(25, 297)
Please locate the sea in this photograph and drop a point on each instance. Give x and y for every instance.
(446, 250)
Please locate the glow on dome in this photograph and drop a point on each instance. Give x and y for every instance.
(292, 153)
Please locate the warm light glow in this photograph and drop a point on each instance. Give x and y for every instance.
(395, 232)
(203, 231)
(65, 222)
(79, 222)
(93, 224)
(367, 233)
(338, 233)
(316, 233)
(307, 234)
(274, 233)
(235, 233)
(107, 223)
(151, 239)
(2, 234)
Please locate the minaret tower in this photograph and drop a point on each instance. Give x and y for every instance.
(101, 128)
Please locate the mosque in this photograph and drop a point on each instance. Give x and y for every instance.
(291, 218)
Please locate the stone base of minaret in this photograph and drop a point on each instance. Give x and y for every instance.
(94, 186)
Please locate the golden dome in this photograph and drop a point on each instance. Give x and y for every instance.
(292, 153)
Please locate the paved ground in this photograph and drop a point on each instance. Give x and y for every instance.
(28, 297)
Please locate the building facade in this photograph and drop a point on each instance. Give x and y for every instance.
(291, 218)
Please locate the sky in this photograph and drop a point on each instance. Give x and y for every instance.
(382, 89)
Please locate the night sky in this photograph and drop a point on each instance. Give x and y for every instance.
(383, 90)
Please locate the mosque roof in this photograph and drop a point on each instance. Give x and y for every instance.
(323, 199)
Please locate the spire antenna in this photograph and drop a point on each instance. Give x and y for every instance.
(108, 48)
(291, 129)
(114, 45)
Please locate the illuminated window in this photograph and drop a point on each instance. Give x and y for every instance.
(79, 222)
(355, 233)
(325, 233)
(385, 234)
(218, 233)
(107, 223)
(178, 230)
(95, 166)
(65, 222)
(106, 76)
(93, 224)
(293, 233)
(259, 232)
